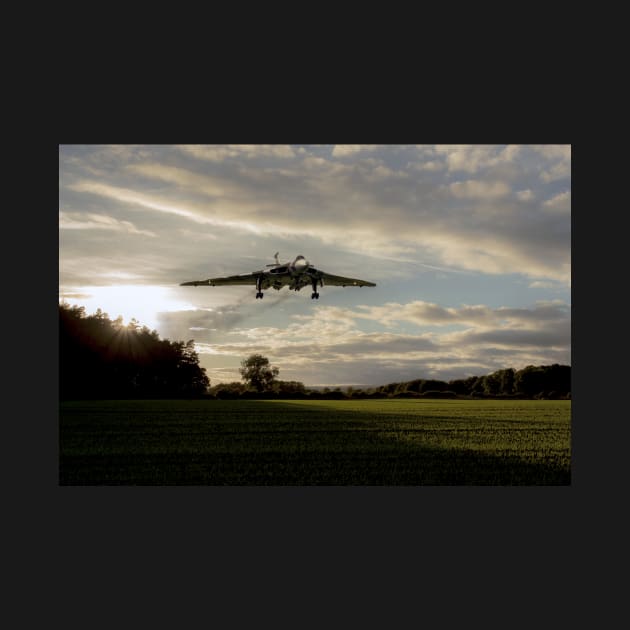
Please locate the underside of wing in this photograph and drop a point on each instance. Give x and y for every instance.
(340, 281)
(245, 278)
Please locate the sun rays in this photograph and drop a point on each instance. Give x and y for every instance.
(143, 303)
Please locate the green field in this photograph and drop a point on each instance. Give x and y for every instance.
(323, 442)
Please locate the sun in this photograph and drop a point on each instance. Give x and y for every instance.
(142, 302)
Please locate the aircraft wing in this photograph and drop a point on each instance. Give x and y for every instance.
(245, 278)
(340, 281)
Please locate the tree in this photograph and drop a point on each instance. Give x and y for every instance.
(491, 384)
(257, 373)
(228, 390)
(530, 381)
(100, 358)
(506, 380)
(289, 388)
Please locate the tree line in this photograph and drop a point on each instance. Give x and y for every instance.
(541, 382)
(101, 358)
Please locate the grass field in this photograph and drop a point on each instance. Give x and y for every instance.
(323, 442)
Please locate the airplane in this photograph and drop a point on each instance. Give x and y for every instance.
(295, 275)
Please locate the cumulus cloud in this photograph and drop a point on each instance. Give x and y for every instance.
(525, 195)
(430, 165)
(347, 150)
(219, 153)
(560, 202)
(473, 158)
(472, 189)
(556, 162)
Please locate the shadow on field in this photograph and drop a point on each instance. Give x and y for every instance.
(284, 444)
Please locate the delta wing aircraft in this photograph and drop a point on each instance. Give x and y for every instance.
(295, 275)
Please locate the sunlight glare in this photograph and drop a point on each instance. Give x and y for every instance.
(142, 302)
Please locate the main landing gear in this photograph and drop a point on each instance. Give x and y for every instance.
(259, 293)
(314, 295)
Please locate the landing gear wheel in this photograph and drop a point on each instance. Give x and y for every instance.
(315, 296)
(259, 295)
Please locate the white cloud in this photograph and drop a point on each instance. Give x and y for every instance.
(476, 189)
(473, 158)
(92, 221)
(510, 153)
(423, 313)
(219, 153)
(204, 184)
(554, 151)
(430, 165)
(186, 210)
(557, 164)
(525, 195)
(560, 202)
(349, 150)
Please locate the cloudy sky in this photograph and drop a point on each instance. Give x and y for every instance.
(469, 245)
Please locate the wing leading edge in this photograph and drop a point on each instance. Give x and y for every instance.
(245, 278)
(340, 281)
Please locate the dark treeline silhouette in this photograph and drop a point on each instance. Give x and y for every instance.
(277, 389)
(100, 358)
(544, 381)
